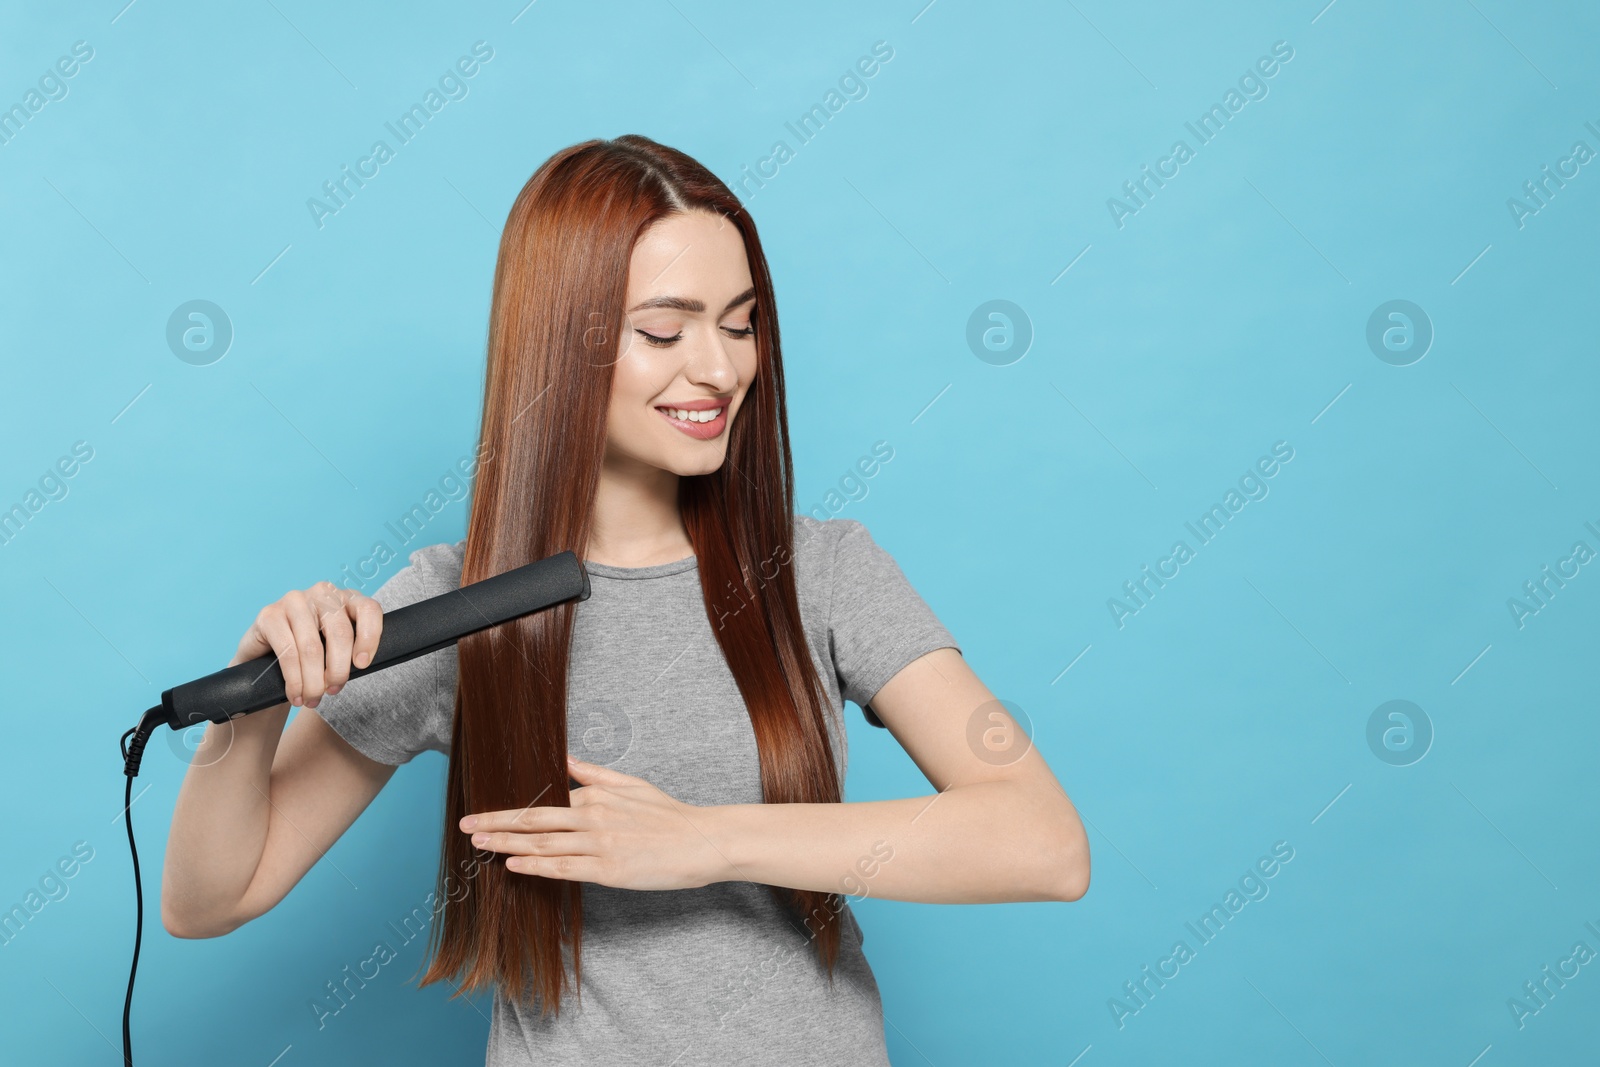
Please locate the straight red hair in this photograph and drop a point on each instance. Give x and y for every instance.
(555, 324)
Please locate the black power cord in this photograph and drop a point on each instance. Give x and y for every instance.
(408, 632)
(132, 754)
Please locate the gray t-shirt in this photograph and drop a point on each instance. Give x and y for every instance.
(714, 975)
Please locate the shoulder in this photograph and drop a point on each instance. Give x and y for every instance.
(818, 540)
(429, 571)
(831, 537)
(828, 550)
(844, 555)
(441, 561)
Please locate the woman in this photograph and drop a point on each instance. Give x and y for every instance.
(683, 902)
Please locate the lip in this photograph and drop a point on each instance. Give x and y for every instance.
(700, 431)
(702, 404)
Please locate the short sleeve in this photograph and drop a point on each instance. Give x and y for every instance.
(877, 623)
(394, 714)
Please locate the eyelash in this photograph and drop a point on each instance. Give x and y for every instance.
(664, 342)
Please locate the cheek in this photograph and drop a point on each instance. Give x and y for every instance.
(633, 380)
(634, 383)
(625, 416)
(748, 363)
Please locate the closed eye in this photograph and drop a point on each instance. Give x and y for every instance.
(667, 342)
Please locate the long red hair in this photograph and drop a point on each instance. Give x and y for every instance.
(555, 323)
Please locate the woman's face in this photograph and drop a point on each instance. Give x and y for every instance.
(686, 344)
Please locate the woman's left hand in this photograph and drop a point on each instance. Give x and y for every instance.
(620, 831)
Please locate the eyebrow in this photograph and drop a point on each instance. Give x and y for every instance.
(684, 303)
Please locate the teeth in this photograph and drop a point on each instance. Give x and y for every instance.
(693, 416)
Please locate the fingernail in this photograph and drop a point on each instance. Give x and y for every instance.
(469, 822)
(480, 839)
(573, 759)
(332, 689)
(363, 659)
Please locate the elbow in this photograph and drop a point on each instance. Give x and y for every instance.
(1058, 851)
(1070, 871)
(176, 926)
(191, 927)
(191, 931)
(1074, 883)
(180, 926)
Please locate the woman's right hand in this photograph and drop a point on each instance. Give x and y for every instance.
(317, 635)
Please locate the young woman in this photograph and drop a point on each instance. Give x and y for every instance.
(683, 901)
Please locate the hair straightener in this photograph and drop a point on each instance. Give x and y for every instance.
(408, 632)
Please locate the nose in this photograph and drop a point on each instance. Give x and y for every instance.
(709, 364)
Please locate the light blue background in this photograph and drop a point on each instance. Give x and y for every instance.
(1229, 313)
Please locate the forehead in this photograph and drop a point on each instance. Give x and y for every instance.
(694, 255)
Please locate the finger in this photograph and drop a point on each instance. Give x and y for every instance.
(557, 843)
(527, 820)
(566, 868)
(273, 624)
(368, 615)
(337, 634)
(307, 645)
(596, 774)
(253, 644)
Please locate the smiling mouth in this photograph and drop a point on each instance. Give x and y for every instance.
(688, 415)
(702, 425)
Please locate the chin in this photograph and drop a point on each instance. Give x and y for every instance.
(705, 462)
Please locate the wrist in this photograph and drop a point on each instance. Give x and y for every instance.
(724, 828)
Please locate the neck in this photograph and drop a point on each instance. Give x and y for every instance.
(636, 522)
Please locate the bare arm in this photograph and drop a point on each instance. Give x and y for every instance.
(999, 829)
(259, 804)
